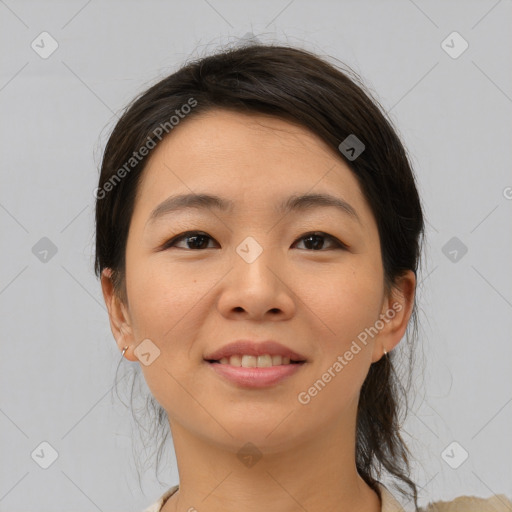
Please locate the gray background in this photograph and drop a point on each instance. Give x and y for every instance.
(58, 355)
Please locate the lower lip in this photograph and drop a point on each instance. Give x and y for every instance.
(255, 377)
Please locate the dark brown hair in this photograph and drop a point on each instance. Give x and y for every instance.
(298, 86)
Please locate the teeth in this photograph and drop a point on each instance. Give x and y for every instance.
(249, 361)
(277, 360)
(255, 361)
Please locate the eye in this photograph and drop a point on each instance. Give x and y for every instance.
(316, 241)
(197, 240)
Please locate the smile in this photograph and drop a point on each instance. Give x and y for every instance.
(249, 361)
(255, 376)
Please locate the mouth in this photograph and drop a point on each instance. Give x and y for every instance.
(255, 372)
(250, 361)
(252, 354)
(250, 364)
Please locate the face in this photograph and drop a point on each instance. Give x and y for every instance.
(309, 278)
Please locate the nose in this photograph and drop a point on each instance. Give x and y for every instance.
(257, 289)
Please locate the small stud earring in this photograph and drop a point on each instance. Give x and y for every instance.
(124, 350)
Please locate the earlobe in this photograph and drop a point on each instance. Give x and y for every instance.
(395, 315)
(118, 316)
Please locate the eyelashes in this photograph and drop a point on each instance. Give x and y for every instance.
(194, 235)
(335, 243)
(198, 239)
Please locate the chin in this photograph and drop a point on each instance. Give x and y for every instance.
(270, 434)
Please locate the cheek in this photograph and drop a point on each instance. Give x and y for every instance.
(168, 306)
(347, 301)
(350, 305)
(163, 298)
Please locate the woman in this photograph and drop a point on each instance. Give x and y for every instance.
(258, 237)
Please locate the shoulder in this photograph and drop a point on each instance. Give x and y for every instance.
(157, 506)
(496, 503)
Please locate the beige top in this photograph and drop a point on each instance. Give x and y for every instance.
(496, 503)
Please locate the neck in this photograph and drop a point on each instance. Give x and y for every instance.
(316, 475)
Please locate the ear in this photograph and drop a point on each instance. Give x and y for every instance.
(119, 317)
(396, 310)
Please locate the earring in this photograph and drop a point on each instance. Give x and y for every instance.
(124, 350)
(385, 352)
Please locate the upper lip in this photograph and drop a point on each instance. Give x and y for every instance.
(253, 348)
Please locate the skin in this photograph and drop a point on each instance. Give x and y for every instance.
(190, 301)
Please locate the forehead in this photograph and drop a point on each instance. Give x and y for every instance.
(252, 159)
(238, 136)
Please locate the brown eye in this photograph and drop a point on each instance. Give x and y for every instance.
(198, 240)
(316, 241)
(195, 240)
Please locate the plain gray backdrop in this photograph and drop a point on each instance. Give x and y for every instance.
(452, 108)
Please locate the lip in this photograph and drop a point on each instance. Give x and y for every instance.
(255, 377)
(253, 348)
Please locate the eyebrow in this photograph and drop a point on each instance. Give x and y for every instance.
(294, 203)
